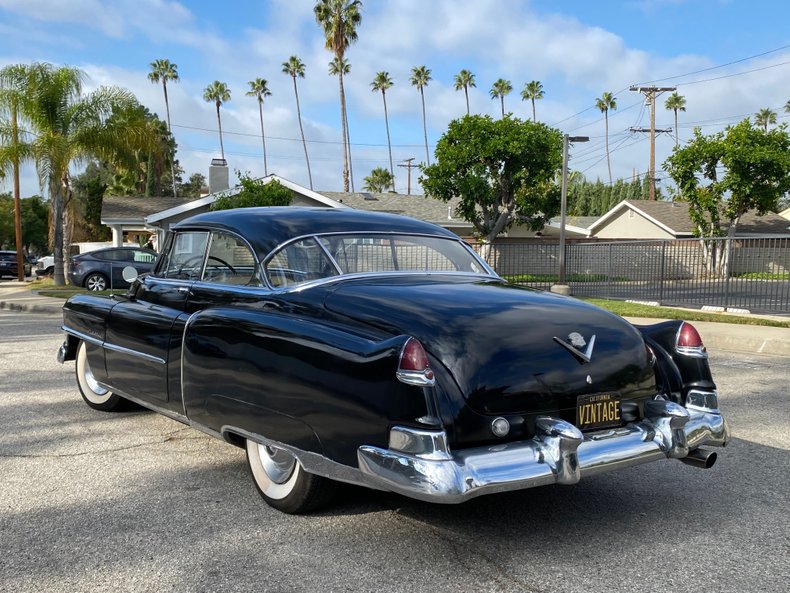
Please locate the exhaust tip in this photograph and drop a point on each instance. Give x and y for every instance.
(701, 458)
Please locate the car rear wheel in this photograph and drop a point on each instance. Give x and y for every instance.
(96, 396)
(96, 282)
(283, 483)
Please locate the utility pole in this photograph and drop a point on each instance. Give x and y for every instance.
(651, 92)
(408, 166)
(562, 286)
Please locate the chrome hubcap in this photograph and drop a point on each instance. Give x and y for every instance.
(96, 283)
(277, 463)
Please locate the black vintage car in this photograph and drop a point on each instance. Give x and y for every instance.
(339, 345)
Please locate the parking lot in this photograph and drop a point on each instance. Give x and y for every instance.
(91, 501)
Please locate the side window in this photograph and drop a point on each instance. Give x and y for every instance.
(141, 257)
(185, 260)
(299, 262)
(230, 261)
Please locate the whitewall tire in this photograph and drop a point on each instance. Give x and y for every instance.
(96, 396)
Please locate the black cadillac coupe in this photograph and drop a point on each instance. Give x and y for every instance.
(340, 345)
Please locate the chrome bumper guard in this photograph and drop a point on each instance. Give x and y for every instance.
(419, 463)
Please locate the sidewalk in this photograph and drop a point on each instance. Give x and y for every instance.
(753, 339)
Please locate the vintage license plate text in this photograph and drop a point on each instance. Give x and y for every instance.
(599, 410)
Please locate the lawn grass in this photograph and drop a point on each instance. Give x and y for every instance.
(46, 287)
(625, 309)
(553, 278)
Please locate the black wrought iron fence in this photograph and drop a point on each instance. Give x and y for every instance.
(740, 273)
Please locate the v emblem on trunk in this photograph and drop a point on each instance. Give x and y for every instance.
(582, 357)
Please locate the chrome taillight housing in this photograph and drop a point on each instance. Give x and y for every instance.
(413, 365)
(689, 343)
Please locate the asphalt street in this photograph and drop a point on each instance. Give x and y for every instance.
(133, 501)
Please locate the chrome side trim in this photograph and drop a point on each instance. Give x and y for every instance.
(183, 349)
(82, 336)
(114, 347)
(558, 454)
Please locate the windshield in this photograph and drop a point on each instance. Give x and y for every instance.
(325, 256)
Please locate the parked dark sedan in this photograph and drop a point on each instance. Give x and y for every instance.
(9, 266)
(103, 269)
(339, 345)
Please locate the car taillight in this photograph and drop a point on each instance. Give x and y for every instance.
(689, 341)
(413, 367)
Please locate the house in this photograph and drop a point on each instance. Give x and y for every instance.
(656, 219)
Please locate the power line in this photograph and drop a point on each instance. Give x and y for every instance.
(733, 74)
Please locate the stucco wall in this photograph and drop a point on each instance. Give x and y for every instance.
(631, 225)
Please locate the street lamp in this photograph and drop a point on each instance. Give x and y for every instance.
(562, 286)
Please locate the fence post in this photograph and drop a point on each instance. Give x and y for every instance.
(661, 276)
(727, 268)
(609, 273)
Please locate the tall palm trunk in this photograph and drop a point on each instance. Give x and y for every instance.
(534, 118)
(56, 193)
(219, 122)
(172, 160)
(350, 160)
(301, 129)
(608, 162)
(676, 127)
(466, 94)
(502, 101)
(345, 129)
(389, 144)
(263, 139)
(425, 129)
(20, 262)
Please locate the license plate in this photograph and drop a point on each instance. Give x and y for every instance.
(599, 410)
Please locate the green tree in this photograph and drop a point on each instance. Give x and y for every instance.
(378, 180)
(724, 175)
(465, 80)
(533, 91)
(90, 187)
(218, 93)
(339, 67)
(765, 117)
(194, 187)
(420, 77)
(604, 104)
(499, 89)
(382, 82)
(675, 102)
(164, 70)
(502, 170)
(787, 106)
(69, 127)
(259, 88)
(339, 20)
(255, 193)
(295, 67)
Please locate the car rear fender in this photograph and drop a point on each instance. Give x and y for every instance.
(676, 373)
(311, 384)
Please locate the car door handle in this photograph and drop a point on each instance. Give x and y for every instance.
(183, 289)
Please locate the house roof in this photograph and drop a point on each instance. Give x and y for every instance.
(674, 218)
(415, 206)
(136, 208)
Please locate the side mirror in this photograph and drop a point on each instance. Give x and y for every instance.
(129, 274)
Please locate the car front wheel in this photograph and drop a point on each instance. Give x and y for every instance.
(96, 396)
(283, 483)
(96, 282)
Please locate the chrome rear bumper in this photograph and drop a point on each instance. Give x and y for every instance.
(420, 465)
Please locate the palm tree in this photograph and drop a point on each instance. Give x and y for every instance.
(382, 82)
(336, 68)
(420, 77)
(533, 91)
(15, 101)
(605, 103)
(378, 180)
(675, 103)
(339, 19)
(218, 93)
(295, 67)
(259, 88)
(164, 70)
(463, 80)
(69, 127)
(499, 89)
(765, 117)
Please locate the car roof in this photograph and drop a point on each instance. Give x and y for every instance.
(266, 228)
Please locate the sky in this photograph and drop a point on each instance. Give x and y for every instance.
(728, 58)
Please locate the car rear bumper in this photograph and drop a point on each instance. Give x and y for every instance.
(420, 465)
